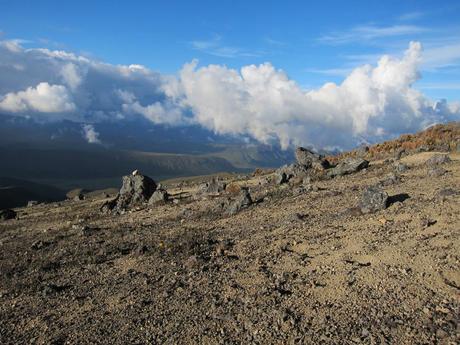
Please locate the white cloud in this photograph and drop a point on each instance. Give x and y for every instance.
(264, 103)
(90, 134)
(372, 103)
(44, 98)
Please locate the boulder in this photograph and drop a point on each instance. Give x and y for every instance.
(373, 199)
(242, 201)
(136, 189)
(159, 196)
(7, 214)
(286, 172)
(438, 159)
(348, 166)
(310, 159)
(214, 186)
(32, 203)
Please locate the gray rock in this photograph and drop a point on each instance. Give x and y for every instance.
(159, 196)
(214, 186)
(7, 214)
(348, 166)
(437, 159)
(292, 170)
(241, 202)
(136, 189)
(436, 171)
(310, 159)
(32, 203)
(373, 199)
(401, 167)
(390, 179)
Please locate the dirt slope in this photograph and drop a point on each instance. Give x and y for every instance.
(297, 267)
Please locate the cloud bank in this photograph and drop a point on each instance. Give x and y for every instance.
(372, 103)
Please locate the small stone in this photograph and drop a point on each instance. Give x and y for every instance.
(32, 203)
(436, 171)
(390, 179)
(401, 167)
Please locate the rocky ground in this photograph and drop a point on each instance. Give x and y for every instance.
(301, 265)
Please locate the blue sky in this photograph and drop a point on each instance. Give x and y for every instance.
(314, 41)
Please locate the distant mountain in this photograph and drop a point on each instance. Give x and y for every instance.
(16, 192)
(57, 153)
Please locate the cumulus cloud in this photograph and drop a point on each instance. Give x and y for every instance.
(373, 102)
(90, 134)
(43, 98)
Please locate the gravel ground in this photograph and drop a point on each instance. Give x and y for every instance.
(297, 267)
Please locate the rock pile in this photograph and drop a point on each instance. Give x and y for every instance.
(308, 162)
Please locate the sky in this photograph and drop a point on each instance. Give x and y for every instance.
(213, 62)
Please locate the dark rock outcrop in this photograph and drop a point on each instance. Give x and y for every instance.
(348, 166)
(310, 159)
(373, 199)
(136, 190)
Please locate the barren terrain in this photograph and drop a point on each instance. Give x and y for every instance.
(299, 266)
